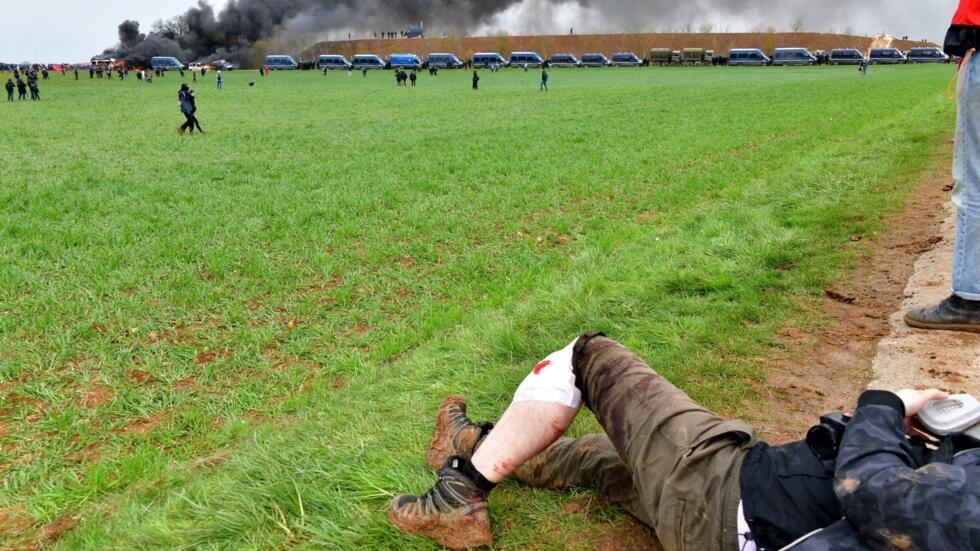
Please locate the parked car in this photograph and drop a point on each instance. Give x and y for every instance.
(625, 59)
(564, 60)
(222, 64)
(595, 60)
(846, 56)
(886, 55)
(926, 54)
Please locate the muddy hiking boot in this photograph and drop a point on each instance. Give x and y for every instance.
(455, 433)
(953, 313)
(454, 513)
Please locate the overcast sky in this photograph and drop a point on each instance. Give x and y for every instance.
(71, 31)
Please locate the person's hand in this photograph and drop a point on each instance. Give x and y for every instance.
(915, 400)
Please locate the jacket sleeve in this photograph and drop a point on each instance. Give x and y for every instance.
(894, 503)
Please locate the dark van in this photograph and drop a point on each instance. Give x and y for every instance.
(404, 61)
(281, 62)
(845, 56)
(595, 60)
(331, 61)
(367, 61)
(793, 56)
(625, 59)
(885, 55)
(926, 54)
(444, 61)
(165, 63)
(488, 59)
(526, 59)
(564, 60)
(747, 56)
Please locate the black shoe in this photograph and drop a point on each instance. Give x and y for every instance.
(953, 313)
(454, 513)
(455, 433)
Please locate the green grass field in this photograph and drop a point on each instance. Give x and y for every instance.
(239, 340)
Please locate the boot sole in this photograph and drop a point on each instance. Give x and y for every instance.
(968, 327)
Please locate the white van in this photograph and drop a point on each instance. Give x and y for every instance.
(747, 56)
(281, 62)
(368, 61)
(165, 63)
(332, 61)
(526, 59)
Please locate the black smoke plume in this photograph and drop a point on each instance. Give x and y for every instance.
(199, 34)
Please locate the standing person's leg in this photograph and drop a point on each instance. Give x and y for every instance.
(966, 193)
(684, 459)
(961, 310)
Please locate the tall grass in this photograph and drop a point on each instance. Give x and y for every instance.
(238, 340)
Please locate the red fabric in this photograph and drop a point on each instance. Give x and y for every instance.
(968, 13)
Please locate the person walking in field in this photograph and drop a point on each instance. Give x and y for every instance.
(10, 89)
(476, 80)
(21, 89)
(186, 100)
(218, 77)
(544, 80)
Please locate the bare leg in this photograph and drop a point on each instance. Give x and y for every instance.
(524, 430)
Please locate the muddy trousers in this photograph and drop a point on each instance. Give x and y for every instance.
(664, 458)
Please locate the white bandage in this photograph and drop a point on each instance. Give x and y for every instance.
(551, 380)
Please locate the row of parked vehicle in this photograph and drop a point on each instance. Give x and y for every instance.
(442, 60)
(658, 56)
(837, 56)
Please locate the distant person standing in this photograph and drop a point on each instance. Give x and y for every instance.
(412, 77)
(544, 79)
(218, 78)
(10, 89)
(476, 80)
(21, 89)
